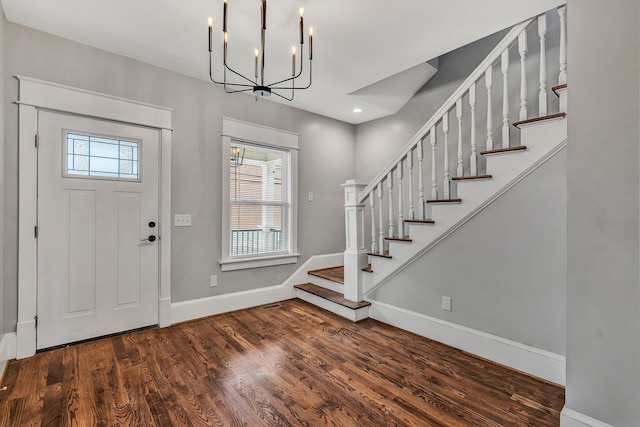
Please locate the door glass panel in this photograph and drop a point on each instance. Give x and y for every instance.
(97, 156)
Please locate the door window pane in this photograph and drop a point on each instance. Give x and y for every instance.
(93, 156)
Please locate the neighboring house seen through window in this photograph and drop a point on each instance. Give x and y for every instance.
(259, 196)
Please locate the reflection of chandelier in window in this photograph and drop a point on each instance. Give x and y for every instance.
(237, 156)
(257, 85)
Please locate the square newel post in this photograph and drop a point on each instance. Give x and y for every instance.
(355, 255)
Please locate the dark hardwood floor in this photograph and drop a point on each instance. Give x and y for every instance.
(292, 365)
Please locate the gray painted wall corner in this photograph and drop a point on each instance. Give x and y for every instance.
(603, 242)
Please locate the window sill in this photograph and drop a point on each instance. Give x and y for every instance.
(267, 261)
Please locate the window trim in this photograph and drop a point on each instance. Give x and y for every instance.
(249, 133)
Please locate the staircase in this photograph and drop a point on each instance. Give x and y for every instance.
(394, 220)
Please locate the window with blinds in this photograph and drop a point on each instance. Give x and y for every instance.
(258, 200)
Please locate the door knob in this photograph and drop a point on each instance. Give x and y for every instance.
(151, 238)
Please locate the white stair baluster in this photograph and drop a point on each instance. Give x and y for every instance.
(434, 174)
(372, 203)
(474, 142)
(390, 188)
(542, 97)
(488, 77)
(562, 78)
(381, 228)
(522, 49)
(420, 181)
(505, 98)
(411, 214)
(400, 201)
(460, 171)
(447, 178)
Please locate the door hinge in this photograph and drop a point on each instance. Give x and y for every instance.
(35, 231)
(36, 319)
(37, 138)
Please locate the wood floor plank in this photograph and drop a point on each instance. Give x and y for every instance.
(292, 365)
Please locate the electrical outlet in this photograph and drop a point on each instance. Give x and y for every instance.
(213, 281)
(446, 303)
(182, 220)
(310, 196)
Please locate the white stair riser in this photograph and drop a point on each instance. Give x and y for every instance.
(340, 310)
(325, 283)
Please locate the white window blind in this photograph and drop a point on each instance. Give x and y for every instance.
(258, 200)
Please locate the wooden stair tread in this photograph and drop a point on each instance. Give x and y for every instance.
(384, 255)
(540, 119)
(367, 269)
(399, 239)
(558, 88)
(332, 296)
(503, 150)
(334, 274)
(462, 178)
(445, 201)
(420, 221)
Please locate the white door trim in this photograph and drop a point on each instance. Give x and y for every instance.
(39, 94)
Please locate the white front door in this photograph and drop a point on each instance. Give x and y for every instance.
(97, 228)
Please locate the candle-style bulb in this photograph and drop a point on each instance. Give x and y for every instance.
(224, 16)
(210, 34)
(293, 61)
(301, 12)
(310, 31)
(257, 53)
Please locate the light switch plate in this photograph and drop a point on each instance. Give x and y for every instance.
(182, 220)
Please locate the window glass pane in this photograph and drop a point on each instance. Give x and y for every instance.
(256, 174)
(256, 229)
(89, 155)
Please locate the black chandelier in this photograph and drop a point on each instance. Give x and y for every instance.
(257, 85)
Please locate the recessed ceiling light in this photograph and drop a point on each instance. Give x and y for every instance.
(357, 110)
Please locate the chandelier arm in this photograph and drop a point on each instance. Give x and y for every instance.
(211, 71)
(224, 83)
(237, 90)
(283, 97)
(239, 75)
(297, 75)
(300, 88)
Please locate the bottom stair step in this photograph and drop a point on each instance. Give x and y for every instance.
(333, 301)
(331, 296)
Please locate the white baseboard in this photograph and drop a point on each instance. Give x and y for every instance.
(571, 418)
(537, 362)
(7, 350)
(203, 307)
(194, 309)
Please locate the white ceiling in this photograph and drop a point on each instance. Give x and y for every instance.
(369, 54)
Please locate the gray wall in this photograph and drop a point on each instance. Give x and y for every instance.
(505, 270)
(4, 300)
(603, 291)
(198, 108)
